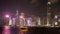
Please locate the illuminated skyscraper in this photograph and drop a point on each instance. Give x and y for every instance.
(38, 21)
(17, 18)
(22, 19)
(48, 13)
(29, 21)
(10, 21)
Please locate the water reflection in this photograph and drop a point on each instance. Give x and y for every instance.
(6, 30)
(12, 30)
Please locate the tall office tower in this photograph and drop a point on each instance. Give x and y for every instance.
(17, 18)
(38, 21)
(10, 21)
(13, 21)
(22, 19)
(48, 13)
(29, 21)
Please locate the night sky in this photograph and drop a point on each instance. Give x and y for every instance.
(35, 7)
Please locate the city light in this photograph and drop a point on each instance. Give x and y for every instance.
(49, 3)
(9, 19)
(7, 16)
(56, 16)
(13, 21)
(59, 20)
(21, 17)
(56, 23)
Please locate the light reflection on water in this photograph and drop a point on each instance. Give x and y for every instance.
(6, 30)
(11, 30)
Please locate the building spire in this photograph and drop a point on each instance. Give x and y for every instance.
(17, 13)
(17, 17)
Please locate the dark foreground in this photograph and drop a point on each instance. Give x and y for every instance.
(32, 30)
